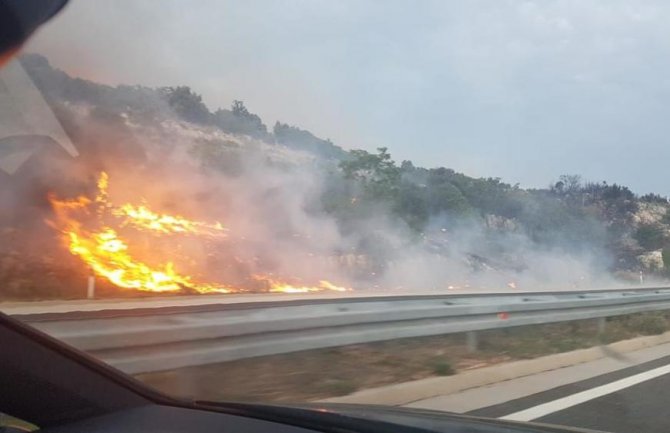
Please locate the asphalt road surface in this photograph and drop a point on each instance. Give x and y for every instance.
(630, 400)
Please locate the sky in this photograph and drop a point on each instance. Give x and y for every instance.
(521, 90)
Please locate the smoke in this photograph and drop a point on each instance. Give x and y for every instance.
(269, 197)
(270, 202)
(470, 257)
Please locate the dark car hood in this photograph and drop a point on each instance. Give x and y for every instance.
(371, 418)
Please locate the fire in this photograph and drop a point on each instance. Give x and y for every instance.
(330, 286)
(282, 287)
(142, 217)
(103, 184)
(109, 255)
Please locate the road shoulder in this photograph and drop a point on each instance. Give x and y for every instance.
(475, 389)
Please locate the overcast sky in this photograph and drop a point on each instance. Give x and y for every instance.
(523, 90)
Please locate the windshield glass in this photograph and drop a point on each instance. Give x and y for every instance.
(444, 205)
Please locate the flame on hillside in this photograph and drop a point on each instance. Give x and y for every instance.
(276, 286)
(142, 217)
(91, 231)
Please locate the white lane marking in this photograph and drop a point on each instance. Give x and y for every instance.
(584, 396)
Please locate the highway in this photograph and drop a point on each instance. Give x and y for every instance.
(628, 394)
(619, 393)
(640, 408)
(634, 399)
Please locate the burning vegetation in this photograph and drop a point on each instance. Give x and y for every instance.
(297, 213)
(91, 231)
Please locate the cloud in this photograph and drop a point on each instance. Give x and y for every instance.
(523, 90)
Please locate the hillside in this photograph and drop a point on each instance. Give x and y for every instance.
(387, 224)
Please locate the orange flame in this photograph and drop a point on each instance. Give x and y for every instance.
(108, 255)
(142, 217)
(275, 286)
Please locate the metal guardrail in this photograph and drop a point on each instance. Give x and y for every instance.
(146, 340)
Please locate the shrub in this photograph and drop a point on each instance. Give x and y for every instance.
(442, 367)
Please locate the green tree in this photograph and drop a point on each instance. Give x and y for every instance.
(654, 198)
(187, 104)
(239, 109)
(411, 205)
(665, 254)
(568, 184)
(448, 198)
(377, 173)
(650, 236)
(296, 138)
(239, 120)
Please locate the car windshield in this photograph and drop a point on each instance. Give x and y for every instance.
(458, 206)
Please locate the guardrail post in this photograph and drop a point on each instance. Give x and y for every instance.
(471, 341)
(90, 289)
(602, 324)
